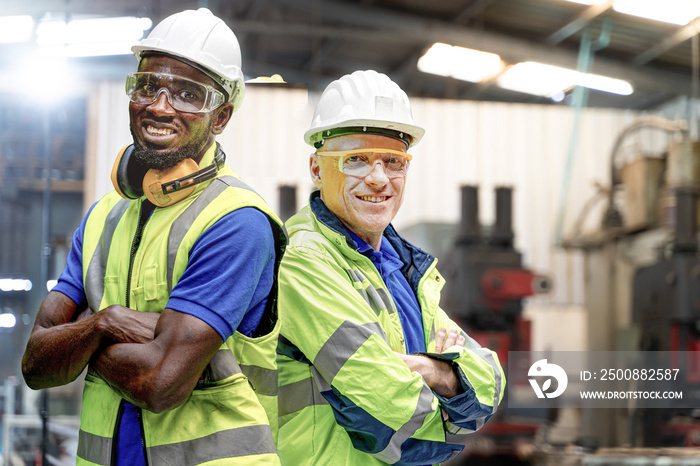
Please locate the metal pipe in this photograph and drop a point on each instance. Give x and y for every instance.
(469, 228)
(503, 227)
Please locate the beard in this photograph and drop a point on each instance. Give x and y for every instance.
(159, 159)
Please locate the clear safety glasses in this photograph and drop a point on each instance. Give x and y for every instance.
(360, 162)
(184, 95)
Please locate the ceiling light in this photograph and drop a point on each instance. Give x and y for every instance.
(7, 320)
(91, 37)
(670, 11)
(15, 29)
(550, 81)
(460, 63)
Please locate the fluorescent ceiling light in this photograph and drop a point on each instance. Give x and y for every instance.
(91, 37)
(550, 81)
(670, 11)
(15, 284)
(460, 63)
(7, 320)
(15, 29)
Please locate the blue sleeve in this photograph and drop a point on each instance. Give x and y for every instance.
(464, 409)
(70, 283)
(229, 273)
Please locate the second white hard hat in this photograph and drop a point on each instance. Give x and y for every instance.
(203, 40)
(364, 101)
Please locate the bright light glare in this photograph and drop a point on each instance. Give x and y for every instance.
(50, 284)
(460, 63)
(551, 81)
(91, 37)
(15, 284)
(16, 29)
(7, 320)
(30, 78)
(670, 11)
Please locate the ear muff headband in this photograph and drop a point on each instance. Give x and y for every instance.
(131, 181)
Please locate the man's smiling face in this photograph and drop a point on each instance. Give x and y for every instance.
(365, 206)
(164, 136)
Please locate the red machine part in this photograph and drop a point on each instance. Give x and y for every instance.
(505, 284)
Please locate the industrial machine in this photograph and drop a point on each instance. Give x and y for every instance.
(648, 239)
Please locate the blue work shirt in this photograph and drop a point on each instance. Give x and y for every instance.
(388, 264)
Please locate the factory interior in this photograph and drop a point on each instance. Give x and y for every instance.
(557, 182)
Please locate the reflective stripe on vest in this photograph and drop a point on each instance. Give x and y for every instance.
(344, 342)
(94, 448)
(377, 298)
(94, 281)
(184, 222)
(221, 366)
(240, 441)
(392, 453)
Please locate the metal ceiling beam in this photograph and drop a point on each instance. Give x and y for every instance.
(579, 21)
(399, 28)
(681, 35)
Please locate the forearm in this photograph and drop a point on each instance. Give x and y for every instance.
(133, 371)
(57, 355)
(160, 374)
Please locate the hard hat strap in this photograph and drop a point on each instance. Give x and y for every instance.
(335, 132)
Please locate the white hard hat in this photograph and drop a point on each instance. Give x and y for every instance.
(364, 101)
(203, 41)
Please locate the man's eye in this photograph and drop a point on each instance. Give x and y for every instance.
(149, 87)
(353, 159)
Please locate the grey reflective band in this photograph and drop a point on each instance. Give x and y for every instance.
(95, 277)
(377, 298)
(392, 453)
(264, 381)
(432, 336)
(94, 448)
(184, 222)
(340, 347)
(221, 366)
(487, 356)
(241, 441)
(299, 395)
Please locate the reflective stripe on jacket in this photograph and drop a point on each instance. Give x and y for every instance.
(227, 414)
(345, 397)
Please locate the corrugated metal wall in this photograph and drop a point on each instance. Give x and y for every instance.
(479, 143)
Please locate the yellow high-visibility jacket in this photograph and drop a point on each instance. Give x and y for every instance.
(345, 397)
(225, 419)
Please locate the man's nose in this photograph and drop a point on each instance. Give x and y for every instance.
(161, 104)
(377, 177)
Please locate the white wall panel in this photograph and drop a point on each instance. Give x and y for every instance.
(466, 142)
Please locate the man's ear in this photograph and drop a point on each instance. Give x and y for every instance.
(222, 117)
(315, 171)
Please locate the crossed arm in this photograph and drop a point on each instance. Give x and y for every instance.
(153, 360)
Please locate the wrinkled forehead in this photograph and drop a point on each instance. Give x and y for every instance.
(361, 141)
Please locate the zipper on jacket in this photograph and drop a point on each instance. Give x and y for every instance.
(139, 415)
(144, 212)
(115, 434)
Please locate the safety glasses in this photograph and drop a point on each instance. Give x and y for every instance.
(184, 95)
(360, 162)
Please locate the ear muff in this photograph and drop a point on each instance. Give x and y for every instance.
(162, 187)
(127, 174)
(159, 188)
